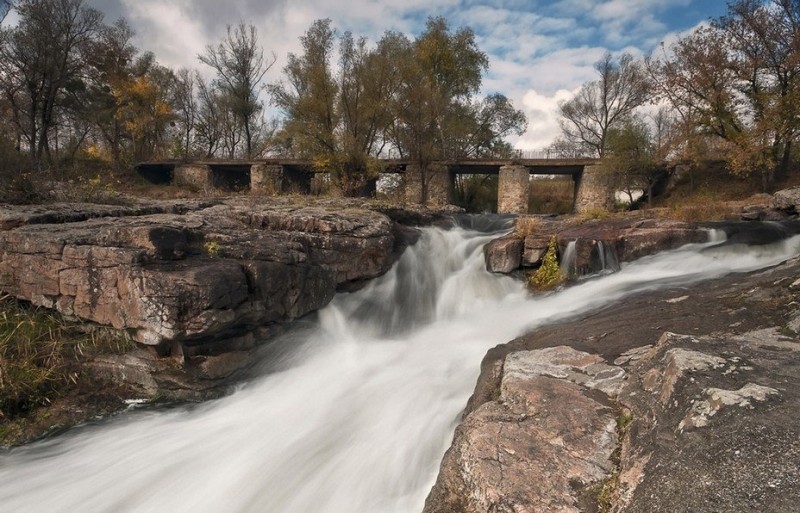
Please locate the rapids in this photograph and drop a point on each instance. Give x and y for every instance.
(353, 411)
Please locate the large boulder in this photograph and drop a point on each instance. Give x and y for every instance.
(185, 280)
(503, 255)
(544, 444)
(787, 200)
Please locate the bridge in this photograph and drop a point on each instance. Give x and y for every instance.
(276, 175)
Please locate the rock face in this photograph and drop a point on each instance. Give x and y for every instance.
(503, 255)
(704, 422)
(595, 245)
(541, 446)
(196, 279)
(713, 425)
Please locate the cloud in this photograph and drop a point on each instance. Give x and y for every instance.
(539, 50)
(543, 117)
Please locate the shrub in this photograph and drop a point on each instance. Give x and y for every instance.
(548, 275)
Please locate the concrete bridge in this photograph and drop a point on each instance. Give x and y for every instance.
(273, 176)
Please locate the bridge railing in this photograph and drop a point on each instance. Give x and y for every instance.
(552, 153)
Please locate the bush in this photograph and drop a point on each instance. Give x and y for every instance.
(548, 275)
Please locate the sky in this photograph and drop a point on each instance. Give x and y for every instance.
(540, 51)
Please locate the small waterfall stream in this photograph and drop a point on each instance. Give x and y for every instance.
(357, 415)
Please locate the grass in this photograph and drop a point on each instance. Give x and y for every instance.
(551, 196)
(527, 225)
(607, 490)
(40, 353)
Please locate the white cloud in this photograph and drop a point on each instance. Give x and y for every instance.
(542, 113)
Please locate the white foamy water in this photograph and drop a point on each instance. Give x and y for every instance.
(358, 414)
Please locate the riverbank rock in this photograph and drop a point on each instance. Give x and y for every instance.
(543, 445)
(703, 383)
(595, 245)
(190, 278)
(503, 255)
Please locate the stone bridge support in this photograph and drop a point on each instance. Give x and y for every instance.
(193, 175)
(513, 189)
(439, 180)
(592, 191)
(266, 179)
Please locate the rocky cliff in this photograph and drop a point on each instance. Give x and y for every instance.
(190, 278)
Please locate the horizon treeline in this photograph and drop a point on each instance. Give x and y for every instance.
(73, 87)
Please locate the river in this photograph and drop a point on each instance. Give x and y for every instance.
(353, 410)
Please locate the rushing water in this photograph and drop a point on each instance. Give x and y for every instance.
(355, 416)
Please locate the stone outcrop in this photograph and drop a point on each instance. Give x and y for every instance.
(196, 279)
(542, 445)
(503, 255)
(703, 421)
(594, 243)
(787, 200)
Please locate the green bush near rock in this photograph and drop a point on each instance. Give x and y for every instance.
(548, 275)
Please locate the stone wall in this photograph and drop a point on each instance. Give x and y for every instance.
(193, 175)
(593, 191)
(266, 179)
(513, 190)
(439, 181)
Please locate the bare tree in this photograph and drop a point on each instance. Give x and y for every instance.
(605, 102)
(39, 59)
(240, 66)
(186, 106)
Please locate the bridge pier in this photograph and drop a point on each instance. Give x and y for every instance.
(193, 175)
(513, 189)
(437, 178)
(266, 179)
(592, 191)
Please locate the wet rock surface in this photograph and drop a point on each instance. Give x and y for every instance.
(592, 244)
(702, 394)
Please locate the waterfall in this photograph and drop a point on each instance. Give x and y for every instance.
(608, 258)
(568, 260)
(359, 410)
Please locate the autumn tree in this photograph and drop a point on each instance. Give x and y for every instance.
(240, 66)
(418, 98)
(738, 81)
(602, 104)
(308, 97)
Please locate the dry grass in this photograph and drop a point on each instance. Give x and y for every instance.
(527, 225)
(39, 351)
(551, 196)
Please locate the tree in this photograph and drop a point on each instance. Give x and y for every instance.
(601, 104)
(441, 76)
(240, 66)
(478, 129)
(39, 59)
(631, 161)
(309, 98)
(186, 107)
(738, 81)
(145, 111)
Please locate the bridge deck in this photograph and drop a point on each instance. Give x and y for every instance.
(552, 166)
